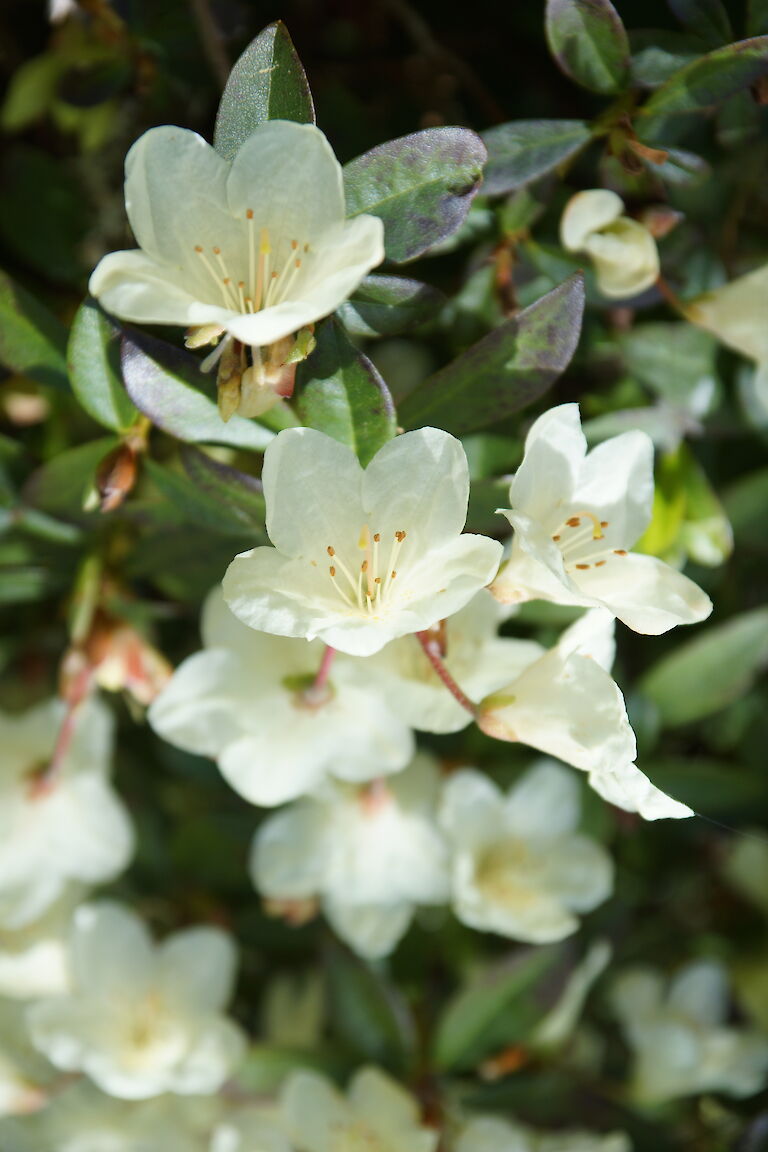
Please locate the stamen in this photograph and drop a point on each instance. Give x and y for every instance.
(619, 551)
(346, 573)
(252, 250)
(265, 250)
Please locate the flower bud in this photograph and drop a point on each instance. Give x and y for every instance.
(623, 250)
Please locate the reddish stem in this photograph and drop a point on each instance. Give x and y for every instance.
(432, 652)
(76, 693)
(317, 693)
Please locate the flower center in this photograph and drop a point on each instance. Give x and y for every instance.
(265, 284)
(367, 585)
(576, 538)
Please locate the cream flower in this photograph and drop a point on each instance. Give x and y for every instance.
(140, 1019)
(247, 700)
(575, 516)
(74, 828)
(623, 251)
(565, 703)
(24, 1074)
(479, 660)
(681, 1041)
(257, 248)
(492, 1134)
(34, 960)
(376, 1114)
(736, 314)
(519, 867)
(361, 556)
(371, 854)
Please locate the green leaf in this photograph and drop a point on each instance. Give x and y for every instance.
(710, 671)
(707, 786)
(421, 186)
(61, 485)
(674, 359)
(757, 17)
(164, 383)
(193, 504)
(343, 395)
(711, 79)
(229, 488)
(499, 1009)
(32, 340)
(745, 504)
(523, 150)
(658, 54)
(266, 83)
(708, 19)
(506, 370)
(367, 1013)
(93, 359)
(589, 42)
(388, 305)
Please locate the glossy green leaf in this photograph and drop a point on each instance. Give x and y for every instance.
(701, 676)
(388, 305)
(342, 394)
(707, 18)
(711, 787)
(421, 186)
(266, 83)
(193, 504)
(93, 359)
(32, 340)
(745, 505)
(497, 1010)
(658, 54)
(367, 1013)
(589, 42)
(523, 150)
(61, 485)
(164, 383)
(506, 370)
(711, 79)
(236, 492)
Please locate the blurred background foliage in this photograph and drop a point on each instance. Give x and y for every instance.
(76, 94)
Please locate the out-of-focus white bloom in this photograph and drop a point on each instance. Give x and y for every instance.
(24, 1074)
(34, 960)
(736, 314)
(361, 556)
(246, 700)
(519, 866)
(576, 514)
(375, 1114)
(478, 659)
(678, 1032)
(73, 828)
(371, 854)
(492, 1134)
(249, 1130)
(59, 10)
(257, 247)
(141, 1019)
(622, 250)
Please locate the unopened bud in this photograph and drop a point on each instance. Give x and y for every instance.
(115, 477)
(651, 155)
(124, 661)
(660, 220)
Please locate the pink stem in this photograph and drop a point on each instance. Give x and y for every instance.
(44, 784)
(316, 694)
(432, 652)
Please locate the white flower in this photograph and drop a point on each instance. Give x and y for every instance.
(376, 1114)
(24, 1074)
(246, 700)
(72, 829)
(141, 1019)
(479, 660)
(248, 1130)
(361, 556)
(34, 960)
(623, 250)
(371, 854)
(736, 314)
(492, 1134)
(519, 867)
(258, 247)
(681, 1041)
(575, 516)
(565, 703)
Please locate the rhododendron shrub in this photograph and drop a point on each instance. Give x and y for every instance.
(382, 551)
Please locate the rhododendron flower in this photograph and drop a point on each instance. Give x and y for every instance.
(623, 250)
(375, 1114)
(370, 854)
(248, 700)
(519, 866)
(361, 556)
(681, 1038)
(256, 248)
(576, 515)
(34, 960)
(141, 1019)
(492, 1134)
(68, 827)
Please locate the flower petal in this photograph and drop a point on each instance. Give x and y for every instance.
(200, 709)
(371, 930)
(626, 258)
(628, 788)
(555, 449)
(616, 478)
(545, 803)
(646, 594)
(288, 853)
(588, 212)
(136, 287)
(470, 808)
(198, 968)
(111, 949)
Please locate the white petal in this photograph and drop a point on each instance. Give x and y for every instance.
(273, 323)
(700, 992)
(112, 950)
(197, 968)
(736, 314)
(637, 994)
(518, 909)
(593, 635)
(200, 708)
(627, 787)
(626, 259)
(216, 1050)
(311, 1108)
(616, 479)
(554, 451)
(646, 594)
(581, 872)
(588, 212)
(471, 808)
(136, 287)
(544, 803)
(371, 930)
(62, 1029)
(382, 1102)
(289, 853)
(89, 829)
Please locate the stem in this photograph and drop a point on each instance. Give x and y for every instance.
(76, 693)
(432, 652)
(317, 691)
(670, 296)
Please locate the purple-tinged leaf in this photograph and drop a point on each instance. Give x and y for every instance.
(387, 305)
(589, 42)
(523, 150)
